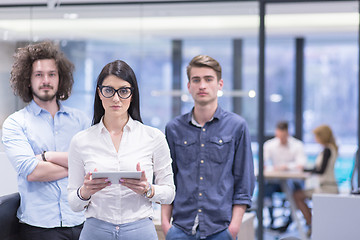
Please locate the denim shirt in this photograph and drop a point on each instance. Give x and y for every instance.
(213, 170)
(27, 133)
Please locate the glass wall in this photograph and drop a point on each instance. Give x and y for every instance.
(331, 98)
(91, 56)
(330, 77)
(142, 35)
(279, 83)
(219, 49)
(250, 82)
(329, 64)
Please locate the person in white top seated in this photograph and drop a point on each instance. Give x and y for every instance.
(282, 153)
(119, 141)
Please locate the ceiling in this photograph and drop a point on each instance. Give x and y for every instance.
(81, 2)
(51, 19)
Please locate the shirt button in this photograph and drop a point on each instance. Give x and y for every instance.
(185, 142)
(204, 129)
(220, 141)
(202, 145)
(201, 178)
(202, 161)
(117, 227)
(199, 210)
(200, 194)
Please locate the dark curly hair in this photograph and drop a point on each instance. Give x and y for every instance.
(22, 69)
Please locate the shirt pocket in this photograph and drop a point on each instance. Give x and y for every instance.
(186, 151)
(220, 148)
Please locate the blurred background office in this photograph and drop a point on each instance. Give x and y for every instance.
(311, 59)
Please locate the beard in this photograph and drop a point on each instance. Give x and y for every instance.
(46, 97)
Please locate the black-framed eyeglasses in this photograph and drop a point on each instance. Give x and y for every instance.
(123, 92)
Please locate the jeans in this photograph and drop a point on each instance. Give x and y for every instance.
(175, 233)
(95, 229)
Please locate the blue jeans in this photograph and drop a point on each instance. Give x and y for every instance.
(175, 233)
(95, 229)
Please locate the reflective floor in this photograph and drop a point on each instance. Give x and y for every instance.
(276, 233)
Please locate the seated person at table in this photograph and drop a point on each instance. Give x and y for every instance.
(282, 153)
(323, 171)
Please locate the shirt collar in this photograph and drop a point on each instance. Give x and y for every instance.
(288, 142)
(194, 122)
(36, 109)
(128, 126)
(217, 115)
(62, 109)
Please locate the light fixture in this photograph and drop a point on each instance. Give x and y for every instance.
(220, 93)
(51, 4)
(252, 94)
(276, 98)
(71, 16)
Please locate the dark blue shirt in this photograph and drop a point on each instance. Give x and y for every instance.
(213, 170)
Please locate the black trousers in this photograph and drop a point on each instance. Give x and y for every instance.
(28, 232)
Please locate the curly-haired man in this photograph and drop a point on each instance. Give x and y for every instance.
(36, 141)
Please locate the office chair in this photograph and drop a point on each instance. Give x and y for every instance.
(276, 203)
(9, 223)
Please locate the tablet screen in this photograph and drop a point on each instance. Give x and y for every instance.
(114, 177)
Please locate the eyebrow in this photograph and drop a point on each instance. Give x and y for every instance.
(39, 71)
(125, 86)
(206, 76)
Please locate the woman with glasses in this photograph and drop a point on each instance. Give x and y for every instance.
(119, 141)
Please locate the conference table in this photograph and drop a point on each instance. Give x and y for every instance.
(285, 177)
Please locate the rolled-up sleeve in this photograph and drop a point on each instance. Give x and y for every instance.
(244, 177)
(17, 146)
(164, 179)
(76, 177)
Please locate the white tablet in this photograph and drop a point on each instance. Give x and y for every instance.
(114, 177)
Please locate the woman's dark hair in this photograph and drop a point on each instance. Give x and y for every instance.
(121, 70)
(22, 69)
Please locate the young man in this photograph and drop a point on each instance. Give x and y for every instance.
(212, 162)
(36, 141)
(282, 153)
